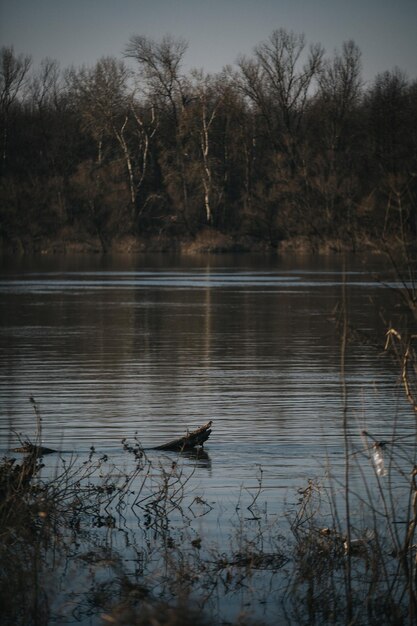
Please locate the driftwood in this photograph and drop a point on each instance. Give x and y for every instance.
(190, 440)
(30, 448)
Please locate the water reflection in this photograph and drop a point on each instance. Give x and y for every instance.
(199, 456)
(152, 347)
(140, 350)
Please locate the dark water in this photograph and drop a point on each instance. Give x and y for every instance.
(153, 346)
(161, 345)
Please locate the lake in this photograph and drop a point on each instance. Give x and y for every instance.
(150, 346)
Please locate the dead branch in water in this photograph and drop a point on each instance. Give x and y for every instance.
(190, 440)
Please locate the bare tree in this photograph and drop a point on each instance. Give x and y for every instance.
(13, 75)
(340, 81)
(391, 108)
(279, 79)
(110, 112)
(207, 94)
(160, 68)
(45, 87)
(159, 64)
(100, 94)
(332, 163)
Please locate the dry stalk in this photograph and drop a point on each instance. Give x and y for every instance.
(406, 357)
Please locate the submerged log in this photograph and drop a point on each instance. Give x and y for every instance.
(191, 440)
(30, 448)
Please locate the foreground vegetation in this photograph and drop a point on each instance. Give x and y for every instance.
(62, 560)
(96, 542)
(134, 153)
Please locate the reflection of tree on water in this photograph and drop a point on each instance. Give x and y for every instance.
(199, 455)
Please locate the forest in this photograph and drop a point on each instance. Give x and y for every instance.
(289, 144)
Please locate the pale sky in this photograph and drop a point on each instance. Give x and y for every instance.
(81, 31)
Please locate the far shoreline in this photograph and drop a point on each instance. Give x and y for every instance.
(206, 242)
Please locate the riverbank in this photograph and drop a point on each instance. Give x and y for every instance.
(208, 241)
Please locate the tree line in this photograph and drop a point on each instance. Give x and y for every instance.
(288, 142)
